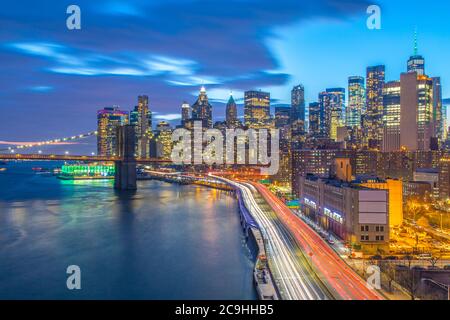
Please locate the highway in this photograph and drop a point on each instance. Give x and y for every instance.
(294, 277)
(337, 274)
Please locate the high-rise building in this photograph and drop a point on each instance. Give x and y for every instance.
(202, 110)
(356, 102)
(391, 116)
(231, 113)
(163, 140)
(416, 62)
(315, 119)
(141, 119)
(332, 102)
(298, 106)
(185, 113)
(416, 119)
(373, 119)
(257, 109)
(282, 122)
(108, 120)
(438, 112)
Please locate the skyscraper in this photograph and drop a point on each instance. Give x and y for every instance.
(416, 120)
(332, 102)
(202, 110)
(298, 104)
(231, 113)
(416, 62)
(391, 116)
(438, 111)
(185, 113)
(257, 109)
(356, 102)
(108, 120)
(141, 119)
(373, 119)
(282, 122)
(315, 119)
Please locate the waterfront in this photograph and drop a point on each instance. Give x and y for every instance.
(162, 242)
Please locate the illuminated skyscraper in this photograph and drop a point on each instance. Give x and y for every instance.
(141, 119)
(416, 62)
(438, 111)
(231, 113)
(373, 119)
(202, 110)
(108, 120)
(391, 116)
(257, 109)
(163, 139)
(356, 102)
(315, 119)
(185, 113)
(416, 121)
(298, 105)
(282, 122)
(332, 102)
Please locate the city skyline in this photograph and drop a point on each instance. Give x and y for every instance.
(68, 76)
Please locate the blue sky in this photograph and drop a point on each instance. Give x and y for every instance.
(54, 79)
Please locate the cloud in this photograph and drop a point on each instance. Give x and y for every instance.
(41, 89)
(167, 117)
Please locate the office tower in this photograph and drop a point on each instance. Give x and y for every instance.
(282, 122)
(444, 178)
(438, 111)
(332, 102)
(185, 113)
(416, 62)
(163, 140)
(141, 119)
(231, 113)
(373, 119)
(257, 109)
(282, 117)
(298, 105)
(416, 120)
(315, 119)
(202, 110)
(108, 120)
(391, 116)
(356, 102)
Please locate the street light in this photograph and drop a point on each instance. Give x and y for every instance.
(66, 153)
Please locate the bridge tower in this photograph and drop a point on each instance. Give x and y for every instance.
(125, 175)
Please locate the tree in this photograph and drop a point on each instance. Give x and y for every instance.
(409, 278)
(389, 271)
(435, 259)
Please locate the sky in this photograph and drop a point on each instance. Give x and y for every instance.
(53, 79)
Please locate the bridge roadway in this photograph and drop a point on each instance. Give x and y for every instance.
(75, 158)
(294, 278)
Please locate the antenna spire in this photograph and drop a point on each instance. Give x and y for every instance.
(416, 50)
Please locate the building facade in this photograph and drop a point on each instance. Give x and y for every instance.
(108, 120)
(257, 109)
(373, 119)
(356, 102)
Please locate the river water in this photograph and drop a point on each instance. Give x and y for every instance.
(163, 241)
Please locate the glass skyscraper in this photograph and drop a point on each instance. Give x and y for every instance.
(108, 120)
(257, 109)
(202, 110)
(373, 119)
(356, 102)
(332, 102)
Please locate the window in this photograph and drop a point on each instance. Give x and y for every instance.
(367, 228)
(381, 229)
(377, 229)
(362, 228)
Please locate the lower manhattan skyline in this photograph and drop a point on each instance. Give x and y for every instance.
(213, 158)
(304, 47)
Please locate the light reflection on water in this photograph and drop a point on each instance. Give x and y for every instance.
(161, 242)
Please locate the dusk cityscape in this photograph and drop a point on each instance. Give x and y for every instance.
(233, 150)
